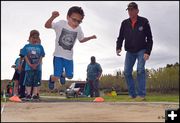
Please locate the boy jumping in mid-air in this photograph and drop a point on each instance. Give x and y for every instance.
(66, 34)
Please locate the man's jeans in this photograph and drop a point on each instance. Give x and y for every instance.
(94, 88)
(141, 76)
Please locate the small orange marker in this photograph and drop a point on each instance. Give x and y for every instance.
(15, 99)
(99, 99)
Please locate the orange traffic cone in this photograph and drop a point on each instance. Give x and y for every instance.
(99, 99)
(15, 99)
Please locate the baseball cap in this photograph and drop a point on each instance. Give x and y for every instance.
(132, 5)
(34, 33)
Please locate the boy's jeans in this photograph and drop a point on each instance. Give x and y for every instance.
(141, 77)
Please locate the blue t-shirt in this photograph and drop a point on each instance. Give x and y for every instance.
(93, 71)
(17, 62)
(33, 52)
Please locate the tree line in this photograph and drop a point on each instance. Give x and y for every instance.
(161, 80)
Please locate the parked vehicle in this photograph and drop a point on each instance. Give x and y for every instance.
(76, 89)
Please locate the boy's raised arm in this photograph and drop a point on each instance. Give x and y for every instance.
(48, 23)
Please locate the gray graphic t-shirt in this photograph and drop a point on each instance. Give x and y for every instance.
(65, 39)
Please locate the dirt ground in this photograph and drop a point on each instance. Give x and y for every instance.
(85, 111)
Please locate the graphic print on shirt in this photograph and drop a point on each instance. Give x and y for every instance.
(33, 55)
(67, 39)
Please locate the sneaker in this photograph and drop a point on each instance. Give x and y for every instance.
(140, 98)
(28, 98)
(51, 84)
(22, 96)
(15, 99)
(62, 80)
(35, 98)
(38, 95)
(131, 98)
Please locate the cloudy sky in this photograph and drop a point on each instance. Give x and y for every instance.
(102, 19)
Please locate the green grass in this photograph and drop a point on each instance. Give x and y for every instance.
(153, 97)
(125, 98)
(49, 94)
(150, 98)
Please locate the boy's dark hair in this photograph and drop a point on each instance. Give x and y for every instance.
(34, 33)
(76, 9)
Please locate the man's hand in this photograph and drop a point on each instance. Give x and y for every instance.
(97, 78)
(118, 52)
(55, 14)
(146, 56)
